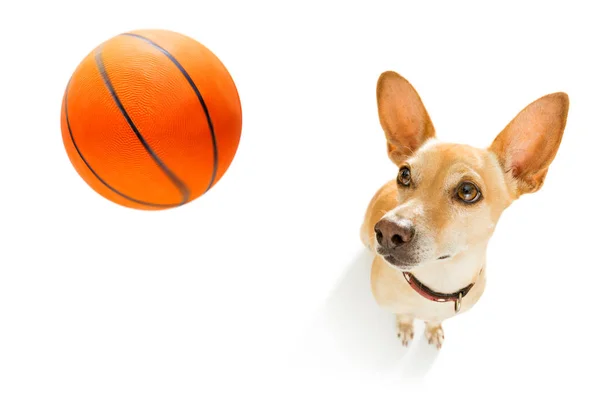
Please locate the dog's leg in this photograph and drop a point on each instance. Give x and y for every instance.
(405, 330)
(434, 333)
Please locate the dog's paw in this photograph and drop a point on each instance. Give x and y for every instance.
(405, 332)
(435, 335)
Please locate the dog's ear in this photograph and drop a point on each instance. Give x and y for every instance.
(529, 143)
(402, 115)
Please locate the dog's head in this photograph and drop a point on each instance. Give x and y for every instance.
(451, 196)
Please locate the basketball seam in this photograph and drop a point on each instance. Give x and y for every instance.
(185, 192)
(198, 95)
(72, 137)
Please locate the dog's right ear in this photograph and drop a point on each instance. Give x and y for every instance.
(402, 115)
(528, 144)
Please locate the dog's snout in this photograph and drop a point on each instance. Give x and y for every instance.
(391, 234)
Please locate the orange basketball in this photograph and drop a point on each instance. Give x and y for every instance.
(151, 119)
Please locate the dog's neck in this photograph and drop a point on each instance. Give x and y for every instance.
(453, 274)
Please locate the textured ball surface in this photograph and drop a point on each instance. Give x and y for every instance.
(151, 119)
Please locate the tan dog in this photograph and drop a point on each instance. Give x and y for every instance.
(429, 228)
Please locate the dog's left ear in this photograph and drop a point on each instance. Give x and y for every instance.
(402, 115)
(529, 143)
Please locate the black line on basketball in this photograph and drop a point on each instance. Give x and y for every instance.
(200, 98)
(185, 192)
(145, 203)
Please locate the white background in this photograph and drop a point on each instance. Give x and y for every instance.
(261, 286)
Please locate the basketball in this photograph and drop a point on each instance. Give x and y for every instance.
(151, 119)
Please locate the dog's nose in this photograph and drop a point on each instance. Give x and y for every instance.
(390, 234)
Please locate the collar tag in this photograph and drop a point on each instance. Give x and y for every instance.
(458, 302)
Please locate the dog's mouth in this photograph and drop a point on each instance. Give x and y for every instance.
(400, 264)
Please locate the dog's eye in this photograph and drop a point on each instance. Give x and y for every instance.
(468, 192)
(403, 176)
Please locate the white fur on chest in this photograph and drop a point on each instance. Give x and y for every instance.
(393, 293)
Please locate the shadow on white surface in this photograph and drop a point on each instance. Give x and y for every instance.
(352, 332)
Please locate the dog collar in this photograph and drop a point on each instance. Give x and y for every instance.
(438, 297)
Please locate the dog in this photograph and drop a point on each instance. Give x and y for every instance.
(429, 228)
